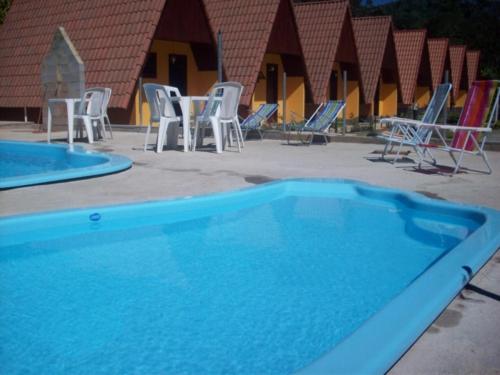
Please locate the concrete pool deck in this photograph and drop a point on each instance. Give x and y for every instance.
(463, 340)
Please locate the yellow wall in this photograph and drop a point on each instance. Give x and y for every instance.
(422, 96)
(460, 100)
(388, 99)
(295, 90)
(352, 101)
(198, 83)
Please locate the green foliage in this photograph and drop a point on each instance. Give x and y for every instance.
(475, 23)
(4, 7)
(471, 22)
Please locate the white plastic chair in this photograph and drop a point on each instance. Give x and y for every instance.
(90, 110)
(104, 112)
(162, 112)
(228, 116)
(104, 119)
(221, 112)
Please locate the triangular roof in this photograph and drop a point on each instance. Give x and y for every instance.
(472, 58)
(439, 59)
(457, 61)
(413, 61)
(250, 28)
(112, 37)
(374, 41)
(326, 34)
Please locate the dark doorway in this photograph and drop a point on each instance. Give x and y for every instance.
(334, 81)
(376, 101)
(272, 86)
(272, 83)
(177, 72)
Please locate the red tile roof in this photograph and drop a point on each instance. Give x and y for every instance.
(247, 30)
(472, 58)
(438, 58)
(410, 52)
(457, 61)
(323, 27)
(112, 37)
(372, 36)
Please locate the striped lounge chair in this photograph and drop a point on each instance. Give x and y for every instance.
(255, 120)
(475, 123)
(321, 120)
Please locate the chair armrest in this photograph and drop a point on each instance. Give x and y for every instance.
(456, 127)
(294, 115)
(400, 121)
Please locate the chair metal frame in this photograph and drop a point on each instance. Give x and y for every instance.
(259, 117)
(470, 135)
(407, 132)
(321, 116)
(162, 112)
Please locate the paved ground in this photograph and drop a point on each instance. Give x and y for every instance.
(464, 340)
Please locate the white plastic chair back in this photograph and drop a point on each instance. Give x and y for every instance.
(231, 93)
(212, 107)
(92, 103)
(154, 93)
(172, 92)
(166, 107)
(105, 102)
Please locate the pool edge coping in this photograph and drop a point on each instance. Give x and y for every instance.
(115, 163)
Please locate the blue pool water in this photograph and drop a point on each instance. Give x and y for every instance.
(29, 163)
(263, 286)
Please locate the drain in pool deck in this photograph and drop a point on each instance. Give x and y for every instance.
(104, 149)
(428, 194)
(449, 318)
(256, 179)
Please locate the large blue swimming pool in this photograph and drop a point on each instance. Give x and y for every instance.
(30, 163)
(317, 276)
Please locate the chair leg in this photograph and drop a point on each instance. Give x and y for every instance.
(453, 157)
(385, 149)
(260, 134)
(235, 126)
(239, 132)
(229, 133)
(147, 137)
(462, 152)
(195, 136)
(162, 134)
(103, 126)
(400, 148)
(426, 150)
(88, 128)
(109, 126)
(159, 140)
(420, 156)
(217, 134)
(486, 161)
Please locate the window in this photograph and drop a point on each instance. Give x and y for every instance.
(149, 70)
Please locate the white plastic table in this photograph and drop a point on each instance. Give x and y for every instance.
(185, 103)
(70, 110)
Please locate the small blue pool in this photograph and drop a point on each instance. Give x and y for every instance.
(30, 163)
(297, 276)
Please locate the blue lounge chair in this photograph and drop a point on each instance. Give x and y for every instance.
(255, 120)
(321, 120)
(407, 132)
